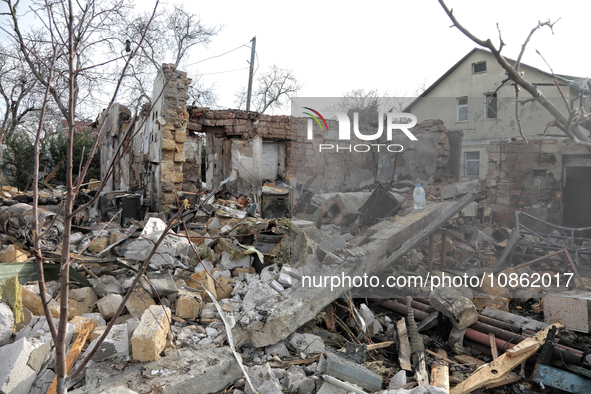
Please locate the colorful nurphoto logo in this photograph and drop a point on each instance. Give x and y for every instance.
(315, 118)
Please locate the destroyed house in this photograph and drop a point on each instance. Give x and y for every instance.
(182, 148)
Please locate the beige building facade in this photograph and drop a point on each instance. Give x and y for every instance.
(466, 99)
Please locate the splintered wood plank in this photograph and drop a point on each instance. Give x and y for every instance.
(503, 364)
(73, 353)
(403, 346)
(493, 346)
(507, 379)
(440, 371)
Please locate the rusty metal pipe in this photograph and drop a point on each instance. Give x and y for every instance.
(499, 332)
(513, 328)
(568, 355)
(401, 308)
(416, 305)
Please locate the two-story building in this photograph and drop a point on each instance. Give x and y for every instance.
(468, 100)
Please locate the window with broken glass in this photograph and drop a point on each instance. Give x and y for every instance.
(462, 109)
(472, 164)
(490, 106)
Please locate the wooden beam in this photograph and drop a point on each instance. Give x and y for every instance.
(380, 345)
(430, 229)
(404, 346)
(73, 353)
(509, 248)
(493, 345)
(440, 371)
(502, 365)
(507, 379)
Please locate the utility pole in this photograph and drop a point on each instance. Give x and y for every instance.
(252, 52)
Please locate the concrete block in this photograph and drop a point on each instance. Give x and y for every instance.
(277, 287)
(570, 308)
(116, 344)
(86, 296)
(12, 294)
(299, 383)
(257, 295)
(132, 325)
(286, 280)
(16, 377)
(97, 316)
(225, 290)
(307, 343)
(460, 310)
(328, 388)
(279, 348)
(105, 285)
(43, 382)
(270, 387)
(136, 304)
(398, 380)
(6, 323)
(347, 370)
(269, 273)
(259, 374)
(482, 300)
(149, 338)
(118, 390)
(188, 305)
(12, 254)
(206, 371)
(32, 301)
(98, 245)
(228, 263)
(330, 245)
(204, 281)
(108, 305)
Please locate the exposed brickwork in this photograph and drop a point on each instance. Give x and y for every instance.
(176, 115)
(527, 177)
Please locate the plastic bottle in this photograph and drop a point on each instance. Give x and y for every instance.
(418, 196)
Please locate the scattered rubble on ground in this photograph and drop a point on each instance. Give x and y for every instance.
(224, 267)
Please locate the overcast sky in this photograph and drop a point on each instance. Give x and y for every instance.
(394, 46)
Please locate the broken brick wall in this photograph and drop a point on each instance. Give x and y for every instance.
(115, 125)
(157, 150)
(527, 177)
(175, 114)
(425, 160)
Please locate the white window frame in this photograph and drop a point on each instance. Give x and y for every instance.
(467, 160)
(486, 106)
(476, 64)
(460, 106)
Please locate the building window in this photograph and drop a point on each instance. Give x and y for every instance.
(462, 114)
(472, 164)
(479, 67)
(490, 106)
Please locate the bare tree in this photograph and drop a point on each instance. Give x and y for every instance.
(171, 36)
(274, 89)
(572, 123)
(16, 91)
(70, 27)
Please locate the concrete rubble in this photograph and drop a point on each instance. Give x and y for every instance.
(248, 291)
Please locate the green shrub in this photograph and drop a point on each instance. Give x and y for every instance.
(19, 158)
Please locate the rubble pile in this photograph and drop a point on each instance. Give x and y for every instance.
(229, 303)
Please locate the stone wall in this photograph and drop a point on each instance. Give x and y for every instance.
(175, 115)
(527, 177)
